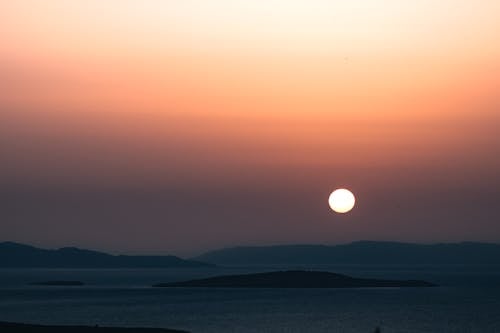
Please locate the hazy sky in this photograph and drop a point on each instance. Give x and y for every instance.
(180, 126)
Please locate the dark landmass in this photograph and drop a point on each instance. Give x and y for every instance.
(362, 252)
(25, 328)
(14, 255)
(294, 279)
(58, 283)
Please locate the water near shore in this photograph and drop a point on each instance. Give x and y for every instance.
(467, 300)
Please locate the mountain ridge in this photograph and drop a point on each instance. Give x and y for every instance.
(359, 252)
(17, 255)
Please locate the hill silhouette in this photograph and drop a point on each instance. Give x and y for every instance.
(361, 252)
(20, 255)
(294, 279)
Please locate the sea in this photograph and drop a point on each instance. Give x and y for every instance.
(466, 300)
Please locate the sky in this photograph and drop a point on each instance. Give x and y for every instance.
(182, 126)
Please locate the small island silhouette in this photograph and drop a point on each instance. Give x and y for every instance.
(58, 283)
(30, 328)
(294, 279)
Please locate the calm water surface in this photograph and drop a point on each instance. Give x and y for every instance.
(468, 300)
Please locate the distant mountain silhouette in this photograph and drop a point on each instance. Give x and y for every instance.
(362, 252)
(294, 279)
(19, 255)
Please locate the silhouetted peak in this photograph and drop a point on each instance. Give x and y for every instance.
(76, 250)
(20, 255)
(359, 252)
(14, 245)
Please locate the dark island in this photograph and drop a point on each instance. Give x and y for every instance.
(294, 279)
(58, 283)
(26, 328)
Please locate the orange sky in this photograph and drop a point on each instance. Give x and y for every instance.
(262, 94)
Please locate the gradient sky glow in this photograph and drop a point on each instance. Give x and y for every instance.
(181, 126)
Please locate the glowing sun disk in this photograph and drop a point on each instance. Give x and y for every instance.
(341, 200)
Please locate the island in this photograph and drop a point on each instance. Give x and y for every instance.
(58, 283)
(294, 279)
(27, 328)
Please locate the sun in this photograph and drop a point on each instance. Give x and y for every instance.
(341, 200)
